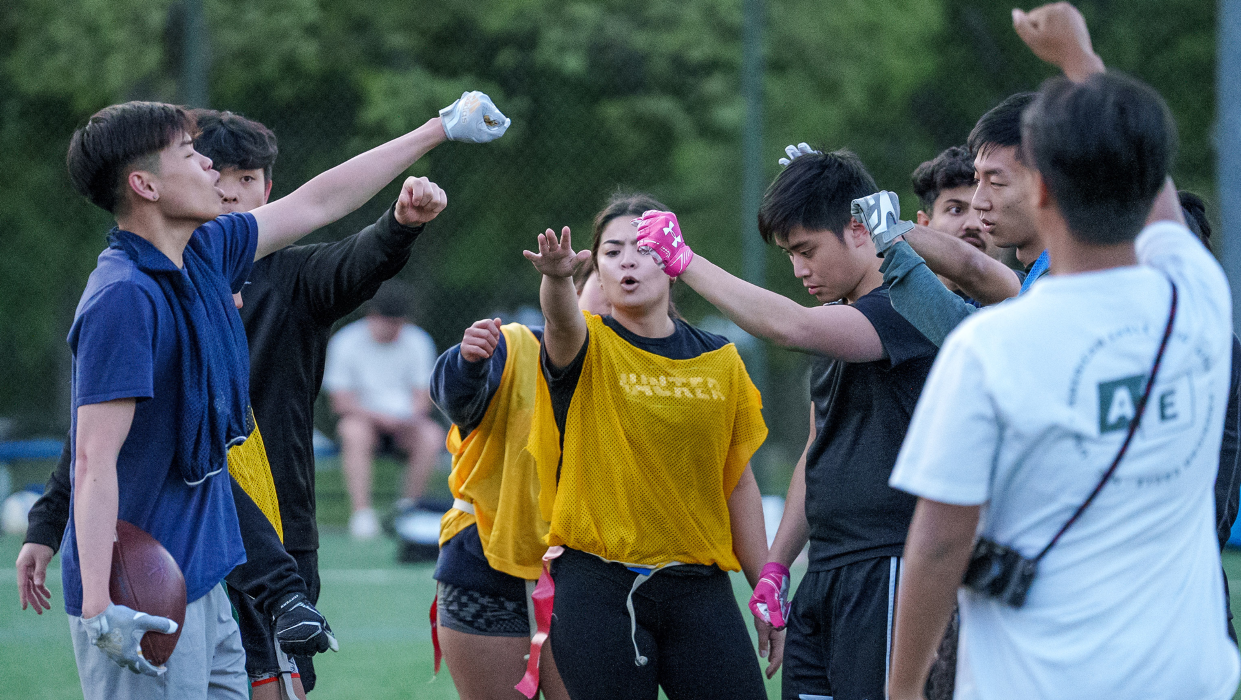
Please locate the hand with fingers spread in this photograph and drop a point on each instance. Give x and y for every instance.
(420, 201)
(659, 233)
(556, 257)
(480, 340)
(795, 152)
(474, 118)
(118, 631)
(1057, 34)
(32, 563)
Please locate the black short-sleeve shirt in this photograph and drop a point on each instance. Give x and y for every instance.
(861, 413)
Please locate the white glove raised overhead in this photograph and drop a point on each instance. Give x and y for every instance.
(474, 118)
(118, 631)
(795, 152)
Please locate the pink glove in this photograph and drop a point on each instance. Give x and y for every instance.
(660, 235)
(770, 602)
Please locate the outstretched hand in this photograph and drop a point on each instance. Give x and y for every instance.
(420, 201)
(1057, 34)
(480, 340)
(556, 257)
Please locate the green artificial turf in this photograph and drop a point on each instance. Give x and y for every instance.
(377, 608)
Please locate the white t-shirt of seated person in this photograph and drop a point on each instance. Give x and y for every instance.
(1025, 409)
(383, 376)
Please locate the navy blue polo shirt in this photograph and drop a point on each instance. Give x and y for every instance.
(124, 345)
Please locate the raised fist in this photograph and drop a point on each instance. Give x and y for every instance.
(1057, 34)
(420, 201)
(480, 340)
(473, 118)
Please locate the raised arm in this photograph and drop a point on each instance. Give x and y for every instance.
(837, 331)
(1057, 33)
(331, 195)
(565, 332)
(335, 278)
(339, 191)
(985, 279)
(919, 296)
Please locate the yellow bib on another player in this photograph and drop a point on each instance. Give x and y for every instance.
(492, 470)
(653, 448)
(248, 464)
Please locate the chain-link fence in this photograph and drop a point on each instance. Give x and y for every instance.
(638, 95)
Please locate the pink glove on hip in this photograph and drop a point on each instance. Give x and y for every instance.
(770, 602)
(660, 235)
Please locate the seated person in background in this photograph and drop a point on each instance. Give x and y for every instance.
(377, 374)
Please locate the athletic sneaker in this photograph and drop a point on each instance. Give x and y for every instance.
(364, 524)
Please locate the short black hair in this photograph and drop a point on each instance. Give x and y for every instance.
(391, 300)
(952, 168)
(1103, 148)
(1000, 127)
(233, 141)
(117, 139)
(814, 192)
(1195, 211)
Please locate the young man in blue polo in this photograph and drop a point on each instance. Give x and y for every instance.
(161, 372)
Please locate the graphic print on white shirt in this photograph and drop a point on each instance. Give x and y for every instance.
(1023, 412)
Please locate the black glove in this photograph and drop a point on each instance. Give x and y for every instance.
(300, 628)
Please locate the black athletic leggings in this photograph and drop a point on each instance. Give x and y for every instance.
(689, 629)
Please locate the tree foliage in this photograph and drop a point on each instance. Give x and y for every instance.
(639, 94)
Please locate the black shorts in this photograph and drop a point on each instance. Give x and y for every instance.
(474, 598)
(473, 612)
(688, 628)
(839, 638)
(257, 636)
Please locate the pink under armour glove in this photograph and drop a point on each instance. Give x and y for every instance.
(770, 602)
(660, 235)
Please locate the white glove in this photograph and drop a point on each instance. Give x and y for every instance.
(118, 631)
(795, 152)
(880, 213)
(473, 118)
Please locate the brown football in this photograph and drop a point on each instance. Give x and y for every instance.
(146, 578)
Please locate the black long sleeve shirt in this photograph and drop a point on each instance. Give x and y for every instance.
(294, 297)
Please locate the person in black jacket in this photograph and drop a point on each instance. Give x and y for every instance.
(289, 305)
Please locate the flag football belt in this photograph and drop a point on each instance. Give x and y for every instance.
(544, 599)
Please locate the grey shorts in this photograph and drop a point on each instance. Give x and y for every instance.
(208, 662)
(471, 612)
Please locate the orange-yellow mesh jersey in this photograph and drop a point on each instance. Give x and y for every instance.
(248, 464)
(492, 469)
(652, 450)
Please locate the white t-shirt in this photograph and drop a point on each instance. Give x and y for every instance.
(383, 376)
(1024, 410)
